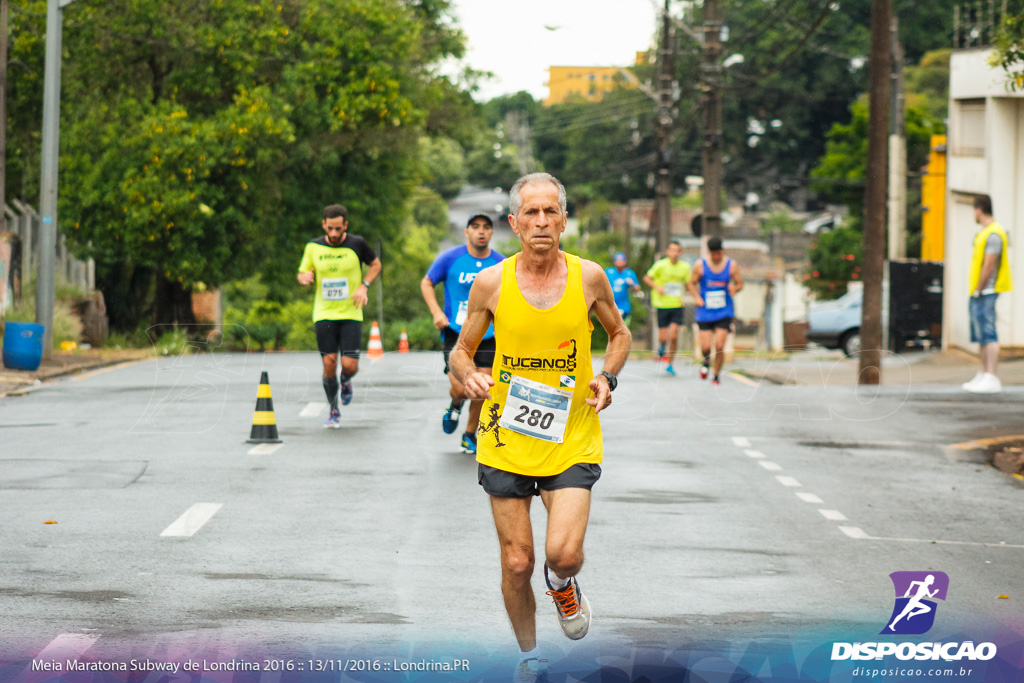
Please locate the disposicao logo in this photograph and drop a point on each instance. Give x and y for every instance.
(914, 614)
(916, 592)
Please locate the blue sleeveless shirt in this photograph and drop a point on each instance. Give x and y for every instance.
(714, 289)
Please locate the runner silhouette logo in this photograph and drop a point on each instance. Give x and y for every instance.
(916, 593)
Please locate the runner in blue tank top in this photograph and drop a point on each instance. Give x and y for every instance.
(457, 268)
(624, 281)
(719, 280)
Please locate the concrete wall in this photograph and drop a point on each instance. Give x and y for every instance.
(997, 169)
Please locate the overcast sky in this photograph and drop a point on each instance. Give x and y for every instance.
(509, 38)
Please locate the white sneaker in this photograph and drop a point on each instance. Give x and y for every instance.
(966, 386)
(572, 608)
(988, 384)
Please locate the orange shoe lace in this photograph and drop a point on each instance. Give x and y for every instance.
(566, 599)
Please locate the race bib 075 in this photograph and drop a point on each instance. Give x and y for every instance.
(334, 289)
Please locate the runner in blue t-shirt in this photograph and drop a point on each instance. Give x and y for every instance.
(623, 280)
(457, 268)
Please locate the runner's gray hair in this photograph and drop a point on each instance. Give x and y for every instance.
(515, 202)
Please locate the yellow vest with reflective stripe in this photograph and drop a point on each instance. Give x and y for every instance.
(550, 346)
(1004, 281)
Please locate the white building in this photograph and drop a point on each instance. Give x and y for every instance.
(986, 156)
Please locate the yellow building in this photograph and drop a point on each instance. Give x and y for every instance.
(588, 82)
(933, 198)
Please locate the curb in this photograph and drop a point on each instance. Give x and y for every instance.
(80, 370)
(772, 379)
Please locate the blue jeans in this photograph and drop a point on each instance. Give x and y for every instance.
(983, 319)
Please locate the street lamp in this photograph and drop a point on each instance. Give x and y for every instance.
(45, 286)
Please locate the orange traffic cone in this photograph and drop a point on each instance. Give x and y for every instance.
(375, 349)
(264, 425)
(403, 343)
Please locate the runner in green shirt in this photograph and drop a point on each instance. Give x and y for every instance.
(334, 263)
(666, 278)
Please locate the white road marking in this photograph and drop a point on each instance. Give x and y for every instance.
(808, 497)
(193, 519)
(741, 441)
(788, 481)
(858, 533)
(769, 465)
(854, 532)
(264, 448)
(834, 515)
(313, 409)
(755, 454)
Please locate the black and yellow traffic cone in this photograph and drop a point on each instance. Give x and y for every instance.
(264, 426)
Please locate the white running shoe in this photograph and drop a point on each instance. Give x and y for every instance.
(572, 607)
(966, 386)
(988, 384)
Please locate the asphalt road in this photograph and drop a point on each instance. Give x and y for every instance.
(725, 514)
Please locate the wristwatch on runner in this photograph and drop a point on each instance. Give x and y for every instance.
(366, 284)
(613, 381)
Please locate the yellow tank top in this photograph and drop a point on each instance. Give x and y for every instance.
(537, 422)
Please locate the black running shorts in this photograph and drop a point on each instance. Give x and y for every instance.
(721, 324)
(669, 316)
(484, 357)
(511, 485)
(334, 336)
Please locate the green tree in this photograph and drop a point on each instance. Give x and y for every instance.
(927, 84)
(835, 260)
(202, 138)
(1009, 47)
(841, 171)
(444, 164)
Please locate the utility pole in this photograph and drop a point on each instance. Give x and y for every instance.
(517, 127)
(897, 154)
(45, 286)
(874, 194)
(711, 156)
(665, 116)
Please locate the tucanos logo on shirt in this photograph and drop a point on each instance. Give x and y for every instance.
(567, 364)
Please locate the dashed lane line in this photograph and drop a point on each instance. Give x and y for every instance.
(264, 448)
(192, 520)
(313, 409)
(809, 498)
(754, 454)
(834, 515)
(854, 532)
(769, 465)
(741, 441)
(788, 481)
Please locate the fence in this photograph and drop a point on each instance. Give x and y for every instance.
(19, 261)
(975, 22)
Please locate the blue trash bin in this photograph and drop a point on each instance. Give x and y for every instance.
(23, 346)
